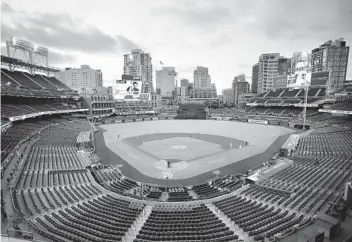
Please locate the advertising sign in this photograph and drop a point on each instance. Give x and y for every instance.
(256, 121)
(129, 90)
(299, 80)
(320, 78)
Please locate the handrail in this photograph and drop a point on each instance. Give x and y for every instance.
(17, 238)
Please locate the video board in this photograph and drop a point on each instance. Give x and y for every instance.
(129, 90)
(299, 79)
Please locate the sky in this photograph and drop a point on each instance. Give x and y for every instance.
(227, 36)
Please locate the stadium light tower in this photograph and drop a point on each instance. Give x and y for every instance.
(20, 45)
(28, 49)
(43, 52)
(306, 87)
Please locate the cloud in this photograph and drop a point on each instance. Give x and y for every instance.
(344, 16)
(219, 40)
(5, 8)
(307, 20)
(243, 66)
(62, 32)
(57, 58)
(222, 34)
(200, 14)
(185, 68)
(126, 44)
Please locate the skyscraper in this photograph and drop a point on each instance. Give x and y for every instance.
(189, 90)
(165, 81)
(201, 78)
(140, 64)
(255, 70)
(268, 69)
(239, 85)
(332, 57)
(184, 82)
(227, 95)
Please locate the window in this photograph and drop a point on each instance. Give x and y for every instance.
(343, 50)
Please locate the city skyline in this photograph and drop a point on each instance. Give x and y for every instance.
(92, 34)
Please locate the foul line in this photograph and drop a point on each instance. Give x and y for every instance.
(137, 148)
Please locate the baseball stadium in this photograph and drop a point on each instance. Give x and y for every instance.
(93, 168)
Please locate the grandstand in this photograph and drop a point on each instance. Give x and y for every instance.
(286, 102)
(56, 190)
(53, 191)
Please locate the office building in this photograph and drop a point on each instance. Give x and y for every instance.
(332, 56)
(110, 89)
(184, 82)
(139, 63)
(255, 71)
(188, 86)
(166, 81)
(201, 78)
(239, 85)
(206, 93)
(220, 97)
(268, 69)
(82, 80)
(243, 87)
(213, 86)
(284, 66)
(227, 95)
(240, 78)
(182, 91)
(189, 89)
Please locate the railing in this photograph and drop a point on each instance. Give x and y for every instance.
(26, 116)
(15, 235)
(18, 234)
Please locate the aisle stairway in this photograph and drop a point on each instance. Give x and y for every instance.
(193, 194)
(223, 217)
(164, 196)
(132, 233)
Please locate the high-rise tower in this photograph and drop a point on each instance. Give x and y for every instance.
(201, 78)
(139, 65)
